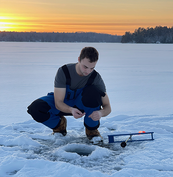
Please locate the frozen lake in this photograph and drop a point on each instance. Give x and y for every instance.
(139, 82)
(138, 77)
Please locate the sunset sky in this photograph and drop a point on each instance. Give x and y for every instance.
(101, 16)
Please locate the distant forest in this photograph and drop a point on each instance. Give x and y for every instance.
(58, 37)
(158, 34)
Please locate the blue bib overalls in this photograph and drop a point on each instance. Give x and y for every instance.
(86, 99)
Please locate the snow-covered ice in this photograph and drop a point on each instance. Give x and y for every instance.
(139, 80)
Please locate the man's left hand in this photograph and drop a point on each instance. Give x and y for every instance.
(96, 115)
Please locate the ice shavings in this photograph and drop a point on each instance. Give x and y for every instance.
(20, 140)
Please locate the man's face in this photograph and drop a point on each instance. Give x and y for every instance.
(85, 66)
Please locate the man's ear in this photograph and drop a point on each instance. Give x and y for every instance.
(79, 59)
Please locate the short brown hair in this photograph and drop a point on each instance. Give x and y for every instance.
(89, 52)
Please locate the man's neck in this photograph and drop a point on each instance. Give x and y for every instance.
(78, 70)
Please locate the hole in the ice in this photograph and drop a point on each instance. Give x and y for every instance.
(80, 149)
(12, 172)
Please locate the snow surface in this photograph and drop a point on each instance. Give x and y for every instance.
(139, 80)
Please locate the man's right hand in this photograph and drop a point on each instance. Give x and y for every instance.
(76, 113)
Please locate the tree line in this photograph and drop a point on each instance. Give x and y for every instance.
(58, 37)
(158, 34)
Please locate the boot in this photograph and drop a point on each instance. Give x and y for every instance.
(92, 133)
(62, 127)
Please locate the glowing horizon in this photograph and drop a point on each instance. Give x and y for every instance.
(111, 17)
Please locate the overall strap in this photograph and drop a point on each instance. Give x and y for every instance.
(67, 74)
(91, 78)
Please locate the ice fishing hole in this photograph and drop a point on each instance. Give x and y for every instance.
(80, 149)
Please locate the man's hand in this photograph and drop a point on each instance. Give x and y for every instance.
(96, 115)
(106, 109)
(76, 113)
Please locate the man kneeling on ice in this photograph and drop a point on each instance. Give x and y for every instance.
(78, 91)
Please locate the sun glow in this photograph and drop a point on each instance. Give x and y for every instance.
(5, 26)
(5, 23)
(11, 23)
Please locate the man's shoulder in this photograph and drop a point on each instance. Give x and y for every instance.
(97, 74)
(70, 65)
